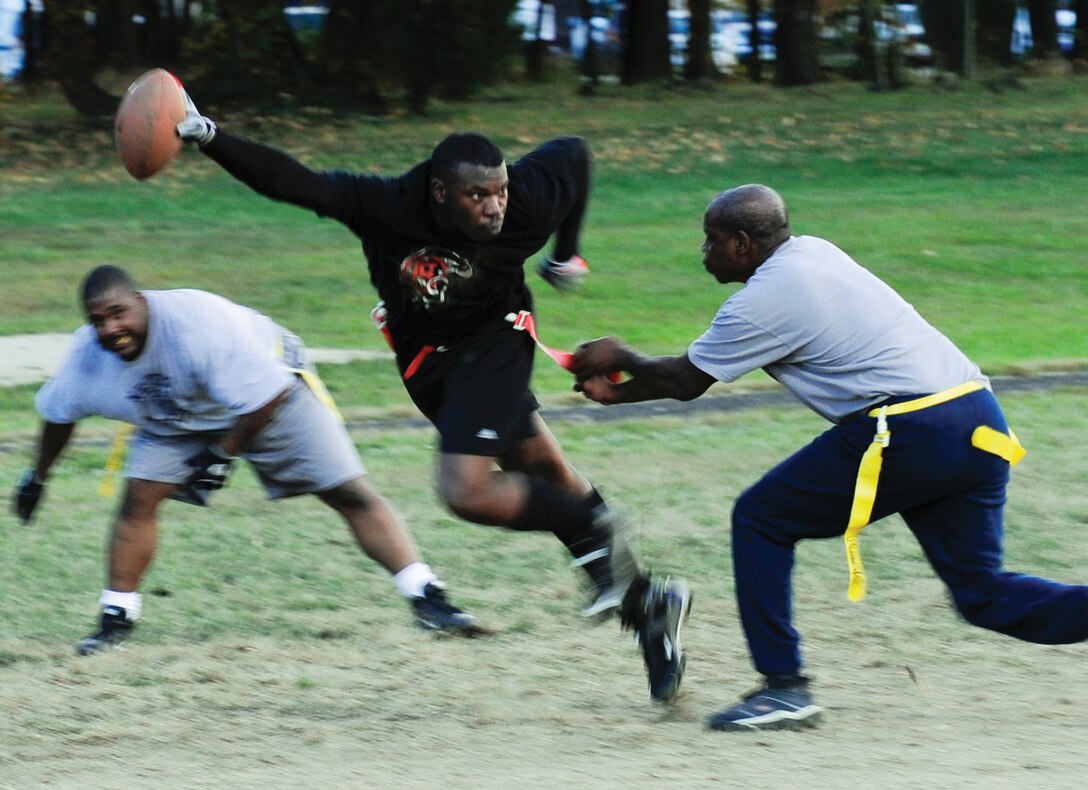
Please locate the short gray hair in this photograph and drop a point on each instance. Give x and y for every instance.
(754, 208)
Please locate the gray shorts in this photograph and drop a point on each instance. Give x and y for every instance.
(304, 449)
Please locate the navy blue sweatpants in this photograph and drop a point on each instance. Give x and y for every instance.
(950, 494)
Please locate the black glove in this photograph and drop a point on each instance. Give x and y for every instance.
(210, 470)
(27, 495)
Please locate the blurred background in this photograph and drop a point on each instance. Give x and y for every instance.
(382, 56)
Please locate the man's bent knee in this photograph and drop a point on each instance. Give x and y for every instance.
(354, 495)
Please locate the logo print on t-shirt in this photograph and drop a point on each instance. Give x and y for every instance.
(432, 273)
(155, 396)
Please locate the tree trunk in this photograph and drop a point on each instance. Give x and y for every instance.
(873, 64)
(536, 50)
(337, 65)
(970, 39)
(1044, 28)
(115, 33)
(1080, 32)
(70, 60)
(795, 43)
(995, 20)
(943, 20)
(33, 42)
(700, 63)
(591, 61)
(646, 43)
(755, 42)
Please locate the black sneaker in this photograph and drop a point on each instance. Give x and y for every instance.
(435, 613)
(610, 564)
(767, 708)
(114, 628)
(655, 609)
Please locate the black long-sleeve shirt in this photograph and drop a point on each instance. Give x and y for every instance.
(439, 287)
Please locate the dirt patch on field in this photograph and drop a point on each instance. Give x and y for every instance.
(274, 656)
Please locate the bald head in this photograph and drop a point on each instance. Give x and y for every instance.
(755, 209)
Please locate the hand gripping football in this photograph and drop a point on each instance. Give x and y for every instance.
(144, 128)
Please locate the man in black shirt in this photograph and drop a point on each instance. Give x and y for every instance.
(446, 245)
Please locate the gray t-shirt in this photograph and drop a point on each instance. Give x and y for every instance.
(831, 332)
(207, 362)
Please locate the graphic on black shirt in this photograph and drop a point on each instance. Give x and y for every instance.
(155, 397)
(433, 274)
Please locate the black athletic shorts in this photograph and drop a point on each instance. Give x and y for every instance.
(477, 393)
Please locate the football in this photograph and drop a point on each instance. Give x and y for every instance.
(144, 128)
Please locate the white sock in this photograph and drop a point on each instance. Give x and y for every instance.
(411, 579)
(131, 602)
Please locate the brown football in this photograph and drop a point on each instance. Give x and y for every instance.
(144, 128)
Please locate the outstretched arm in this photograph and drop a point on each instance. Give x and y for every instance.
(565, 269)
(568, 233)
(651, 378)
(54, 438)
(264, 169)
(270, 172)
(31, 486)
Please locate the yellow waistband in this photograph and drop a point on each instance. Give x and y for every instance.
(1006, 446)
(929, 400)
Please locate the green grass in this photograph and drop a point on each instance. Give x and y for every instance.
(220, 572)
(969, 202)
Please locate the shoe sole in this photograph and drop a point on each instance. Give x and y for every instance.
(807, 718)
(670, 693)
(83, 648)
(468, 630)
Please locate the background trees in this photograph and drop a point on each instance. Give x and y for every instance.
(377, 55)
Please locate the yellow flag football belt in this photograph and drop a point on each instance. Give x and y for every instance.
(984, 438)
(311, 380)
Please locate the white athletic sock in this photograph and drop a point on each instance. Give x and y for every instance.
(131, 602)
(411, 579)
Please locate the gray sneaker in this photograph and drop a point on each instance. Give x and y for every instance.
(114, 628)
(619, 569)
(766, 708)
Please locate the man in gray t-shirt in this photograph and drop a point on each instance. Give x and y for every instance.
(917, 432)
(206, 380)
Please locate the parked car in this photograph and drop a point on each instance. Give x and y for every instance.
(729, 38)
(304, 18)
(899, 23)
(605, 32)
(15, 39)
(734, 30)
(527, 15)
(1022, 40)
(911, 34)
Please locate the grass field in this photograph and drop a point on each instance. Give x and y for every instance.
(272, 654)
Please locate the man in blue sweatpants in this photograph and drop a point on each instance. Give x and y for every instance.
(917, 431)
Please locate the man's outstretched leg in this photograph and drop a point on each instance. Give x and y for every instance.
(569, 508)
(382, 536)
(539, 491)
